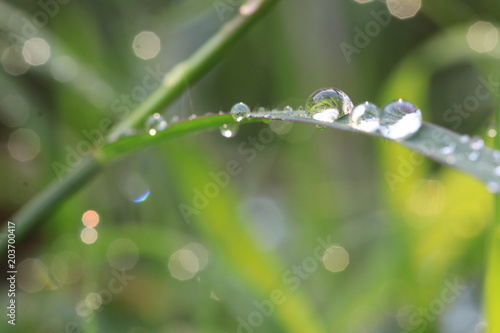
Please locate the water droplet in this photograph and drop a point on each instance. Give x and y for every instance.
(300, 108)
(174, 119)
(400, 119)
(464, 138)
(288, 109)
(261, 109)
(365, 117)
(192, 117)
(493, 187)
(474, 155)
(497, 171)
(155, 123)
(476, 143)
(240, 111)
(229, 130)
(328, 104)
(448, 146)
(496, 156)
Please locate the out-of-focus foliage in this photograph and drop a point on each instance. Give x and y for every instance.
(287, 229)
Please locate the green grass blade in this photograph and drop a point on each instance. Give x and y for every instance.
(428, 141)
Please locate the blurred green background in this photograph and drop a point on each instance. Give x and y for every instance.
(318, 231)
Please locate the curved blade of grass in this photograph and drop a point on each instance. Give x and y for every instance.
(428, 141)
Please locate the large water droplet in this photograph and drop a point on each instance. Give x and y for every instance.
(155, 123)
(365, 117)
(240, 111)
(229, 130)
(328, 104)
(400, 119)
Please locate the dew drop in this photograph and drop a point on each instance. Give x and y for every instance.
(229, 130)
(476, 143)
(365, 117)
(240, 111)
(328, 104)
(448, 147)
(474, 155)
(288, 109)
(300, 109)
(464, 138)
(155, 123)
(497, 171)
(496, 156)
(400, 119)
(261, 110)
(192, 117)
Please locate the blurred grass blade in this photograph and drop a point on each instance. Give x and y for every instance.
(221, 224)
(492, 282)
(188, 71)
(173, 85)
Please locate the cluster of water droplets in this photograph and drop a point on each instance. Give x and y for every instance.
(396, 120)
(155, 123)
